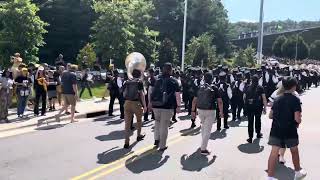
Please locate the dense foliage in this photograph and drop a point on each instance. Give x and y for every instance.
(245, 57)
(167, 53)
(201, 52)
(315, 49)
(21, 30)
(289, 48)
(277, 45)
(88, 52)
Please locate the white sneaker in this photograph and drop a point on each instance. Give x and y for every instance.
(271, 178)
(300, 174)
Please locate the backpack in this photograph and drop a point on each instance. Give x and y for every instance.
(131, 90)
(253, 99)
(159, 95)
(205, 97)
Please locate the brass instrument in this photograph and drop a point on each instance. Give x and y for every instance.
(43, 82)
(134, 61)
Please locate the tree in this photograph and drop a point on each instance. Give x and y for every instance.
(203, 16)
(122, 28)
(89, 52)
(201, 52)
(167, 53)
(21, 30)
(289, 48)
(277, 44)
(315, 50)
(245, 58)
(70, 22)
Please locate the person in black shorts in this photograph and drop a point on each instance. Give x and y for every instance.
(286, 116)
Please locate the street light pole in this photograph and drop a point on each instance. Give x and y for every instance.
(260, 39)
(184, 34)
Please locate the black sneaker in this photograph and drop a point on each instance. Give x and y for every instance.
(67, 113)
(205, 152)
(260, 135)
(226, 127)
(193, 125)
(249, 140)
(156, 143)
(126, 146)
(174, 120)
(132, 128)
(163, 149)
(141, 137)
(6, 120)
(218, 129)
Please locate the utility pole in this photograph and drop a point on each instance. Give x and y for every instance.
(260, 38)
(184, 34)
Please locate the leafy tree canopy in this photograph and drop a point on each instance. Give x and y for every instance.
(201, 51)
(21, 30)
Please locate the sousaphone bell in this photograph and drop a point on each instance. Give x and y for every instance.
(134, 61)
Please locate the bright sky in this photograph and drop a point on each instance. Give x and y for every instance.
(248, 10)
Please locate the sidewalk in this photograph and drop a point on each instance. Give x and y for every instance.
(84, 108)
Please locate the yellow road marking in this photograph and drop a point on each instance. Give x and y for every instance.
(103, 167)
(109, 171)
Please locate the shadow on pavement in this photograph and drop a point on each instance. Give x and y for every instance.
(196, 161)
(186, 117)
(115, 122)
(219, 134)
(190, 131)
(284, 173)
(49, 127)
(114, 135)
(114, 154)
(253, 148)
(146, 162)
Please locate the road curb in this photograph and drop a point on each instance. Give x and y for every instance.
(52, 119)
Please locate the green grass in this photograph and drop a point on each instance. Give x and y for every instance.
(98, 91)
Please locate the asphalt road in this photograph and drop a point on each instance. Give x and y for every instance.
(92, 149)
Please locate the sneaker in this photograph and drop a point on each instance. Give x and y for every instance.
(193, 125)
(271, 178)
(141, 137)
(67, 113)
(282, 160)
(226, 127)
(260, 135)
(156, 143)
(163, 149)
(126, 146)
(249, 140)
(205, 152)
(218, 129)
(300, 174)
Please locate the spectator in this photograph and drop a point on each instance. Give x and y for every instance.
(85, 82)
(286, 115)
(6, 83)
(23, 83)
(69, 92)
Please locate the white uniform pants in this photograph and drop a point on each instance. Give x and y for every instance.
(162, 123)
(207, 117)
